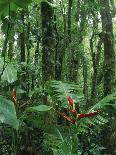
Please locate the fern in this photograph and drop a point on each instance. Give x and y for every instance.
(61, 90)
(106, 101)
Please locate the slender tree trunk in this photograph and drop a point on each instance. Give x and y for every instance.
(22, 41)
(23, 55)
(28, 47)
(36, 56)
(85, 77)
(75, 59)
(109, 72)
(95, 60)
(69, 19)
(109, 56)
(11, 48)
(59, 55)
(64, 23)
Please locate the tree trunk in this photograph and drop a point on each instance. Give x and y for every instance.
(23, 56)
(59, 54)
(109, 57)
(95, 61)
(48, 42)
(69, 19)
(75, 59)
(109, 71)
(85, 77)
(48, 50)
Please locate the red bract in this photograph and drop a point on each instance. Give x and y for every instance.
(14, 95)
(89, 114)
(73, 121)
(72, 111)
(70, 101)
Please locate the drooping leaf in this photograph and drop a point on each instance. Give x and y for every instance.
(5, 5)
(10, 74)
(8, 113)
(39, 108)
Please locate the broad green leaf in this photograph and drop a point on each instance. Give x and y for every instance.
(22, 3)
(14, 4)
(10, 74)
(8, 113)
(39, 108)
(4, 7)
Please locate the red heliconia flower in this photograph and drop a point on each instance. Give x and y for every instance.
(70, 101)
(89, 114)
(72, 111)
(14, 95)
(73, 121)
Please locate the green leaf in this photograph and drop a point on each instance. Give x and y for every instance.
(39, 1)
(22, 3)
(39, 108)
(10, 74)
(61, 90)
(8, 113)
(1, 65)
(105, 102)
(4, 26)
(14, 4)
(4, 7)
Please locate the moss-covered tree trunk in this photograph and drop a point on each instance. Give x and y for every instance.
(48, 42)
(109, 71)
(109, 60)
(75, 54)
(48, 50)
(59, 54)
(23, 55)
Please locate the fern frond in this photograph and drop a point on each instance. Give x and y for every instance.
(61, 90)
(106, 101)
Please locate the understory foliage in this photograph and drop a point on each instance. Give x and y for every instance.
(57, 77)
(58, 139)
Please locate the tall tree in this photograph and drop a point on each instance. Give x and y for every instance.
(70, 2)
(109, 57)
(23, 52)
(95, 53)
(48, 42)
(109, 69)
(48, 48)
(75, 54)
(59, 53)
